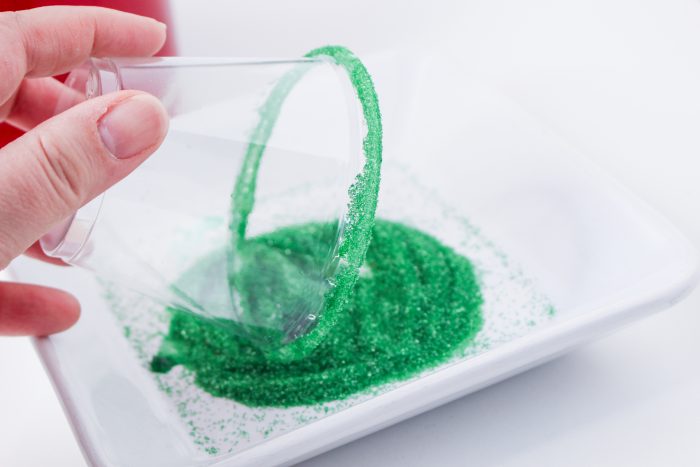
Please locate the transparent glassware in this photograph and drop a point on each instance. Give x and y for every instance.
(174, 229)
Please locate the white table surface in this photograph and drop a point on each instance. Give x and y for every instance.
(619, 78)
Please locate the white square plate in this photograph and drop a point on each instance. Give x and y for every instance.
(601, 256)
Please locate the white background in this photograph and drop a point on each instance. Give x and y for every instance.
(621, 80)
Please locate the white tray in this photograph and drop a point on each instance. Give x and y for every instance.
(599, 254)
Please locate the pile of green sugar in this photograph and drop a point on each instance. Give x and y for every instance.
(415, 304)
(400, 301)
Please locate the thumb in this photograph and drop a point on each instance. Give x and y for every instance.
(63, 163)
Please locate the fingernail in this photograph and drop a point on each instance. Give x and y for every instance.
(132, 126)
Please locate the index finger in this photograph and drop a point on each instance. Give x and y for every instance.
(52, 40)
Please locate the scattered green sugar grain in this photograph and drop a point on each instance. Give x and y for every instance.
(416, 302)
(400, 302)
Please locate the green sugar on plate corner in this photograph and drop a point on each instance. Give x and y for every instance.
(428, 291)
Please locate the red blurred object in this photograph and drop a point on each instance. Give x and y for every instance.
(158, 9)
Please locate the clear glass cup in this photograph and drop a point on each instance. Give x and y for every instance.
(228, 170)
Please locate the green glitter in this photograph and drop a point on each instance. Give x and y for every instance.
(398, 306)
(415, 304)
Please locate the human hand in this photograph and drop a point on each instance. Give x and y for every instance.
(64, 161)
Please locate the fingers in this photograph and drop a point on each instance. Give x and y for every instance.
(32, 310)
(55, 39)
(36, 100)
(52, 40)
(51, 171)
(35, 251)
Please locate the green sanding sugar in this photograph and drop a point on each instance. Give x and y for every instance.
(396, 306)
(415, 304)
